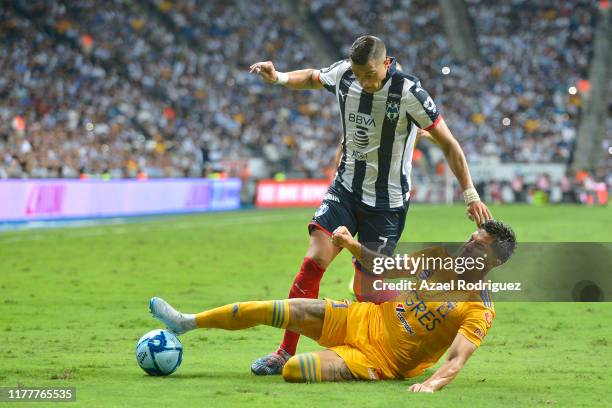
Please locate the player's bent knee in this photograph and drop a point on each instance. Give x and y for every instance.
(322, 260)
(305, 367)
(321, 250)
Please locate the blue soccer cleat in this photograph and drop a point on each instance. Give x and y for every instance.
(271, 364)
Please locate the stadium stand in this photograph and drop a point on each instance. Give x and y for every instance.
(161, 88)
(531, 55)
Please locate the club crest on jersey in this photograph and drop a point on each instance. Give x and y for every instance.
(392, 112)
(322, 210)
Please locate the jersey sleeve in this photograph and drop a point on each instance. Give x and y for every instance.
(330, 76)
(476, 323)
(421, 108)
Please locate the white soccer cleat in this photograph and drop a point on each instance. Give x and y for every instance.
(176, 321)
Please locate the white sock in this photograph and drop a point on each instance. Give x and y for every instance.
(188, 321)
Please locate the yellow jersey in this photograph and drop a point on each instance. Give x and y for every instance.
(417, 331)
(402, 338)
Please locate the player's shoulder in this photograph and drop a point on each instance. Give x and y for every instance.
(331, 75)
(407, 76)
(341, 65)
(481, 300)
(486, 298)
(432, 251)
(411, 82)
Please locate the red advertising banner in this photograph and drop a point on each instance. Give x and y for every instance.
(290, 193)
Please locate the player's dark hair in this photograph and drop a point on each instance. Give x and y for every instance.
(366, 48)
(505, 239)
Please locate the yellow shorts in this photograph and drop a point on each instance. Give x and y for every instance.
(348, 332)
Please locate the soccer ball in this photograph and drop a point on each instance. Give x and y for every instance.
(159, 352)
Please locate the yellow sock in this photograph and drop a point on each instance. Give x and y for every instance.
(303, 367)
(237, 316)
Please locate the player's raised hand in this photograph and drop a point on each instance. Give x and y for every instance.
(420, 388)
(342, 237)
(265, 70)
(479, 212)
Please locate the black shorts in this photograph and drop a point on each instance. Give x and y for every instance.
(377, 228)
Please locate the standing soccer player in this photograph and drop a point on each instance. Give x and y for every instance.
(381, 109)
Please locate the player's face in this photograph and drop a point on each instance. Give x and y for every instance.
(480, 245)
(371, 75)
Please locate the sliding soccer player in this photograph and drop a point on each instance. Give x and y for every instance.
(381, 109)
(367, 341)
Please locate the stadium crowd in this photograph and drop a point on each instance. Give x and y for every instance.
(111, 88)
(161, 87)
(514, 103)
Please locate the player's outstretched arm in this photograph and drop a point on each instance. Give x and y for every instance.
(458, 354)
(442, 135)
(301, 79)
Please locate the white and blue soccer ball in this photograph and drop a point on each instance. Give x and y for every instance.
(159, 352)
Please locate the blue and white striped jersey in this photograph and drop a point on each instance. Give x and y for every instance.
(379, 132)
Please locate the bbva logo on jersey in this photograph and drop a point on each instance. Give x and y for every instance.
(393, 110)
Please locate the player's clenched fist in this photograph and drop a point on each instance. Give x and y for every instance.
(265, 70)
(342, 237)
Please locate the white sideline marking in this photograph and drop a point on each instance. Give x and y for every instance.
(87, 231)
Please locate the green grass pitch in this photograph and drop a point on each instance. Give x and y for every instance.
(74, 301)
